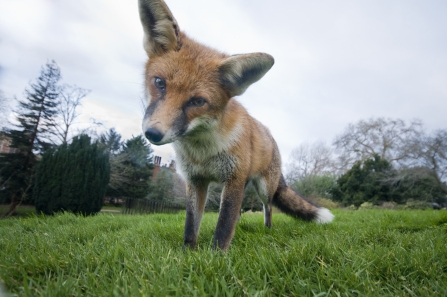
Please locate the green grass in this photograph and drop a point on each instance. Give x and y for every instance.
(111, 208)
(21, 210)
(362, 253)
(29, 210)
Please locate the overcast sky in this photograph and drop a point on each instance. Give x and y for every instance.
(336, 62)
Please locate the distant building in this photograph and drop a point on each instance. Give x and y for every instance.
(158, 166)
(172, 166)
(5, 144)
(179, 184)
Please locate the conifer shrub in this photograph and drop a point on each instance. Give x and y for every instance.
(72, 178)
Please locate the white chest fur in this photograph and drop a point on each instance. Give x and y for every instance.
(206, 154)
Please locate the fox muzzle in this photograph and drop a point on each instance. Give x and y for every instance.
(153, 135)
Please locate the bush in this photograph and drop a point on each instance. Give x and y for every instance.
(364, 182)
(415, 204)
(316, 186)
(391, 205)
(420, 184)
(366, 205)
(325, 202)
(72, 178)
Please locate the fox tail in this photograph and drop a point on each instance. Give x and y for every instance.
(297, 206)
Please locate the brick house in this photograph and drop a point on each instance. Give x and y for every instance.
(179, 183)
(5, 144)
(158, 167)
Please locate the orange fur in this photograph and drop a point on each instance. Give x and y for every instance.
(190, 90)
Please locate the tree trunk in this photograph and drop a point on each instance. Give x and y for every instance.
(15, 201)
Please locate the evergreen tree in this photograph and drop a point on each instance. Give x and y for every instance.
(112, 141)
(73, 178)
(36, 114)
(366, 182)
(130, 165)
(138, 154)
(31, 135)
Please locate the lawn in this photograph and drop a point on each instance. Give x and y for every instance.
(21, 210)
(29, 210)
(362, 253)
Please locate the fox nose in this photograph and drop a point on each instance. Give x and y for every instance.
(153, 135)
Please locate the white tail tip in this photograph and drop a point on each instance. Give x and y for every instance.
(324, 216)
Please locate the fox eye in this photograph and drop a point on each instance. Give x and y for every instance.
(197, 102)
(160, 84)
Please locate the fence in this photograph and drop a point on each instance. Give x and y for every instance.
(141, 206)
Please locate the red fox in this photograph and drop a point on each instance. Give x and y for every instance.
(190, 89)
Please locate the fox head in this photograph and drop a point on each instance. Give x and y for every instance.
(188, 85)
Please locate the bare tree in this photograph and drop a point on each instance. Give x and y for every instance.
(309, 160)
(4, 109)
(391, 139)
(69, 100)
(433, 155)
(94, 129)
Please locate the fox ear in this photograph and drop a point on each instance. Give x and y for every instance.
(238, 72)
(161, 31)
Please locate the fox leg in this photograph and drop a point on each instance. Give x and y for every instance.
(230, 206)
(268, 215)
(195, 205)
(261, 188)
